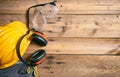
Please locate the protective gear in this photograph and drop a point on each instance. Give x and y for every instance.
(15, 39)
(9, 35)
(13, 47)
(53, 12)
(37, 37)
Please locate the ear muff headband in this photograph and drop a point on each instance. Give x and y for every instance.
(36, 57)
(18, 48)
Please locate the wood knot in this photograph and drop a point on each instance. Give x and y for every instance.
(64, 29)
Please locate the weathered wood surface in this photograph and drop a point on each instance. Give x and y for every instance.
(65, 6)
(79, 46)
(82, 27)
(75, 25)
(80, 66)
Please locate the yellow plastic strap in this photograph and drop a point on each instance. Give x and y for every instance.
(35, 71)
(28, 70)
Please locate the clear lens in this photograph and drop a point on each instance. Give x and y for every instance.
(39, 20)
(49, 11)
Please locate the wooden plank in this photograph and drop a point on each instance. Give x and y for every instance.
(78, 6)
(80, 66)
(79, 46)
(76, 25)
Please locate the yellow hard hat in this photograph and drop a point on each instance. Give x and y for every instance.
(9, 36)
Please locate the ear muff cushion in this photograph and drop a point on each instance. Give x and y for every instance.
(37, 56)
(39, 39)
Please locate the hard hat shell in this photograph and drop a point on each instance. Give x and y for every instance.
(9, 36)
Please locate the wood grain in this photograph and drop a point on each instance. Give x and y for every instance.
(82, 39)
(79, 46)
(78, 6)
(75, 25)
(80, 66)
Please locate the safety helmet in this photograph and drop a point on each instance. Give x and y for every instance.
(9, 36)
(16, 36)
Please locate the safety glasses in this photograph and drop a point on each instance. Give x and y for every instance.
(39, 21)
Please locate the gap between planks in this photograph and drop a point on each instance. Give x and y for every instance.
(79, 6)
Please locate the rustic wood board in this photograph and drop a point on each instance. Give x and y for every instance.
(78, 6)
(80, 66)
(82, 27)
(75, 25)
(79, 46)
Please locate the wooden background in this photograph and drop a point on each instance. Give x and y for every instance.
(84, 38)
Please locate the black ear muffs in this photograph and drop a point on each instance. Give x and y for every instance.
(39, 39)
(37, 57)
